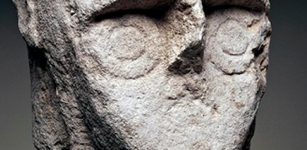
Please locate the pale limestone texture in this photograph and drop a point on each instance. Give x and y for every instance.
(145, 74)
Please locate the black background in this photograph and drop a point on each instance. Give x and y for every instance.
(281, 121)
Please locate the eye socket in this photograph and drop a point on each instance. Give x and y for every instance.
(155, 9)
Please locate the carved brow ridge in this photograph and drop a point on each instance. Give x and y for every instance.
(125, 6)
(116, 5)
(258, 5)
(114, 8)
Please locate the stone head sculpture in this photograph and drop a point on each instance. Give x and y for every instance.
(145, 74)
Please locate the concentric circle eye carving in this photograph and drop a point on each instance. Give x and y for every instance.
(128, 48)
(229, 44)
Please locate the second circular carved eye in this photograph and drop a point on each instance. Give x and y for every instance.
(229, 44)
(232, 38)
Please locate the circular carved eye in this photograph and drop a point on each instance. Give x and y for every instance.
(128, 43)
(129, 47)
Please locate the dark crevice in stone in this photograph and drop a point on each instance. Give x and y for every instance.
(37, 58)
(157, 13)
(189, 61)
(258, 51)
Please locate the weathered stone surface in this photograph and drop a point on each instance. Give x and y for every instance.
(155, 74)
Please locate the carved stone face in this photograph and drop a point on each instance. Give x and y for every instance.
(155, 74)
